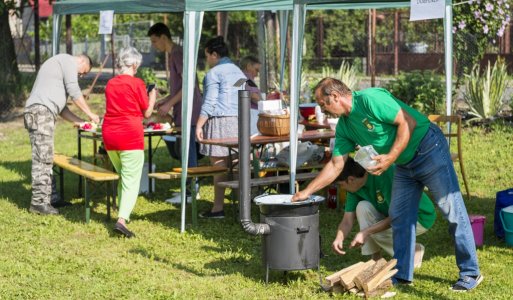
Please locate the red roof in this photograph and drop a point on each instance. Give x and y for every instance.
(45, 8)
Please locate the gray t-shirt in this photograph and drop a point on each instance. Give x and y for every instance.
(57, 78)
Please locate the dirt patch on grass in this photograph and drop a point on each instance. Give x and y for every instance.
(10, 122)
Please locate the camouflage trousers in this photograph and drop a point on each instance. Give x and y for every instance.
(40, 123)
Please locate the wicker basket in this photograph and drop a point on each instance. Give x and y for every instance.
(273, 125)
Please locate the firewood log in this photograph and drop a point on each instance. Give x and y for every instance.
(334, 278)
(347, 278)
(367, 273)
(380, 276)
(380, 290)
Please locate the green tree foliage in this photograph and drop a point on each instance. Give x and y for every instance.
(344, 32)
(422, 90)
(476, 24)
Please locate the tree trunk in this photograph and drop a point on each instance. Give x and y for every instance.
(9, 73)
(222, 24)
(69, 42)
(320, 38)
(271, 49)
(37, 44)
(396, 42)
(262, 54)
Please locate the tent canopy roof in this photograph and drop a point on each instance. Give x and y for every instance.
(65, 7)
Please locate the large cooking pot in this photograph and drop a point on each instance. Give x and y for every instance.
(281, 205)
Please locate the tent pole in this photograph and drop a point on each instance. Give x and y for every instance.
(448, 56)
(56, 28)
(298, 28)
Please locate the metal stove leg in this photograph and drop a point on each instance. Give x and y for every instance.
(266, 273)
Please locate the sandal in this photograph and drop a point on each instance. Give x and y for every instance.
(467, 283)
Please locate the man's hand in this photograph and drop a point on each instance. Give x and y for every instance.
(300, 196)
(338, 245)
(359, 239)
(384, 162)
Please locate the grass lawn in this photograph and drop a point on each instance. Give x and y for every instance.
(60, 257)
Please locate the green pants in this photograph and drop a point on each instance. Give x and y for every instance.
(128, 165)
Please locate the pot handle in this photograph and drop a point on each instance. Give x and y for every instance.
(301, 230)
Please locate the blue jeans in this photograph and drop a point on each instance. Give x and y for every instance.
(432, 167)
(175, 148)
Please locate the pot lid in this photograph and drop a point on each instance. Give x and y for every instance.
(285, 199)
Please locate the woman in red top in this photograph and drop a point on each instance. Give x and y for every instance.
(123, 132)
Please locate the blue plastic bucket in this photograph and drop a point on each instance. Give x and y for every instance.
(507, 222)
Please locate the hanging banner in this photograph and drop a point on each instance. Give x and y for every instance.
(106, 21)
(426, 9)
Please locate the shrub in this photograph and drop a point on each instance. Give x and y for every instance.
(347, 73)
(484, 92)
(422, 90)
(148, 76)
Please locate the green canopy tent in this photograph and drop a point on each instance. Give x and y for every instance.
(193, 16)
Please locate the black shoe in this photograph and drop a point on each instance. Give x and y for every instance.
(43, 209)
(121, 229)
(61, 204)
(212, 215)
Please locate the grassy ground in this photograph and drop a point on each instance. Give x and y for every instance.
(60, 257)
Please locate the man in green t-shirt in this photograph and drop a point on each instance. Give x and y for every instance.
(403, 136)
(368, 200)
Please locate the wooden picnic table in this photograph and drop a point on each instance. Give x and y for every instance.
(309, 135)
(232, 143)
(148, 133)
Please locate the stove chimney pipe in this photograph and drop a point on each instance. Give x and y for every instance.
(245, 169)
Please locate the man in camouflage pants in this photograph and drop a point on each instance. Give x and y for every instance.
(57, 79)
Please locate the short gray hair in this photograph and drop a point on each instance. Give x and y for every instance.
(127, 57)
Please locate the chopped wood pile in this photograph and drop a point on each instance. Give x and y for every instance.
(367, 279)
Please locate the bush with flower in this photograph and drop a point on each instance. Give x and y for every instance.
(477, 23)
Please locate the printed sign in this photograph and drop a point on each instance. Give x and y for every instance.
(106, 20)
(426, 9)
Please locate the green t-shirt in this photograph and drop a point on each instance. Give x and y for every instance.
(378, 191)
(371, 122)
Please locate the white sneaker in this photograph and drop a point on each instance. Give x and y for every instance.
(177, 199)
(419, 254)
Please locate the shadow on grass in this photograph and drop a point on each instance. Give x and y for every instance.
(19, 193)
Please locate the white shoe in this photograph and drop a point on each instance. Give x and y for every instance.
(177, 199)
(419, 254)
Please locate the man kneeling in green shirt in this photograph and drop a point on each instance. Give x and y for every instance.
(368, 200)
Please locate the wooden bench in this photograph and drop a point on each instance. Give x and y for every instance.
(194, 173)
(89, 172)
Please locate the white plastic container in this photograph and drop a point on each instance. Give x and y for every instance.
(364, 156)
(319, 115)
